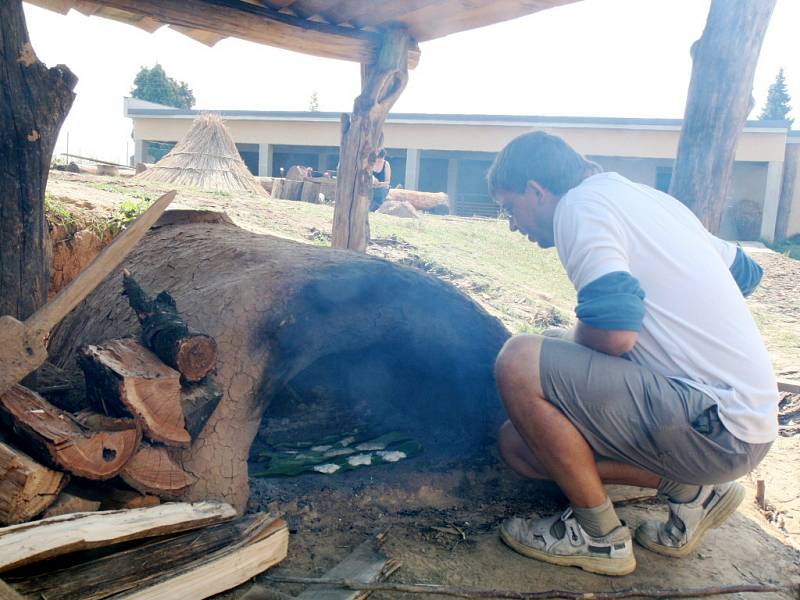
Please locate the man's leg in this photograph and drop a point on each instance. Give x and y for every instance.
(519, 457)
(628, 412)
(562, 452)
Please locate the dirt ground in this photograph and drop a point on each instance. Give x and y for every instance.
(442, 521)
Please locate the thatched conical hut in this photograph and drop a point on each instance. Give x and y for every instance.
(207, 159)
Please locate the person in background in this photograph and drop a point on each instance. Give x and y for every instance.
(664, 382)
(381, 179)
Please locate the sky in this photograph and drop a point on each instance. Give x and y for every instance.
(609, 58)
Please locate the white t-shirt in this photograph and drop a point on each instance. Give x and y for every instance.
(697, 327)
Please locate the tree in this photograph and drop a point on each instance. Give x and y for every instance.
(155, 86)
(313, 102)
(777, 107)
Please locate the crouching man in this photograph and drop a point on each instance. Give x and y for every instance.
(665, 381)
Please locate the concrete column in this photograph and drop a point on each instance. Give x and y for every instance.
(138, 152)
(265, 160)
(772, 196)
(452, 183)
(412, 169)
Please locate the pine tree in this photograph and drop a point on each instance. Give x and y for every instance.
(155, 86)
(777, 106)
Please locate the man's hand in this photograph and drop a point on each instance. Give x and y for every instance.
(615, 342)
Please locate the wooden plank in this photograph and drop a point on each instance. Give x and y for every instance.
(366, 564)
(31, 542)
(260, 24)
(430, 19)
(143, 566)
(223, 570)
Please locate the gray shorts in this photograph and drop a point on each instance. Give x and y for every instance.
(630, 414)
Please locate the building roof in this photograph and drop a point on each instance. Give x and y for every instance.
(133, 109)
(344, 29)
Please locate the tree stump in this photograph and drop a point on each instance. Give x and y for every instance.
(421, 351)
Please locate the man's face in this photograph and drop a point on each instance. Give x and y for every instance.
(531, 213)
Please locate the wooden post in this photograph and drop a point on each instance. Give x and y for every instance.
(381, 85)
(791, 162)
(717, 104)
(33, 105)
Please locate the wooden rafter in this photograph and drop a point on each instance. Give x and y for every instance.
(262, 24)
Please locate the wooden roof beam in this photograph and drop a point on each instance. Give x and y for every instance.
(263, 24)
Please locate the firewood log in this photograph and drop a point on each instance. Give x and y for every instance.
(198, 402)
(118, 499)
(28, 543)
(152, 471)
(68, 503)
(196, 564)
(60, 439)
(26, 487)
(165, 332)
(124, 378)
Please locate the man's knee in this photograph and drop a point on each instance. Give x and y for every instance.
(518, 361)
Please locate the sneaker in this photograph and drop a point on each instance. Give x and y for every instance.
(689, 521)
(561, 540)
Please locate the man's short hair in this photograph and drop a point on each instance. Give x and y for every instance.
(538, 156)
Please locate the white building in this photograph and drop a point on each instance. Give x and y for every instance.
(451, 153)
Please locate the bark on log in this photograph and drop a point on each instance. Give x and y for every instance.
(362, 133)
(165, 332)
(124, 378)
(417, 199)
(717, 105)
(32, 542)
(26, 487)
(68, 503)
(278, 308)
(310, 192)
(291, 189)
(152, 471)
(198, 403)
(33, 105)
(118, 499)
(139, 567)
(58, 438)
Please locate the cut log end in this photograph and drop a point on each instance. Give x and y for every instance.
(196, 356)
(26, 487)
(58, 438)
(124, 378)
(152, 471)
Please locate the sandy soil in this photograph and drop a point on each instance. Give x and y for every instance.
(331, 516)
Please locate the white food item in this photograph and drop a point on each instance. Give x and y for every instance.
(392, 455)
(367, 446)
(321, 448)
(327, 468)
(360, 459)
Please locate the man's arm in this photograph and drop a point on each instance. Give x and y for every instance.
(615, 342)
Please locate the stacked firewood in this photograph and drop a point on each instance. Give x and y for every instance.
(145, 398)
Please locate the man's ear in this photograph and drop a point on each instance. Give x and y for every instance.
(535, 188)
